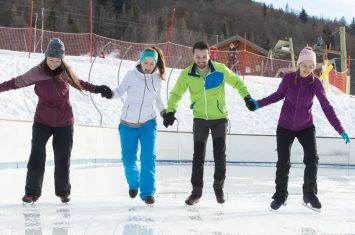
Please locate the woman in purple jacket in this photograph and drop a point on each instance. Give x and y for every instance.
(54, 116)
(298, 90)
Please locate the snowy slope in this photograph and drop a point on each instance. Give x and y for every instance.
(20, 104)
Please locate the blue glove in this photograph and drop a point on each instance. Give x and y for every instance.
(255, 103)
(345, 136)
(251, 104)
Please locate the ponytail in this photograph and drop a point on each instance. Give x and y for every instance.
(160, 62)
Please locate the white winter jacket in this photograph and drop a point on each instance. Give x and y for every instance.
(143, 94)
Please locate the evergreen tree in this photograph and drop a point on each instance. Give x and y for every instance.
(343, 21)
(225, 30)
(135, 8)
(303, 16)
(267, 44)
(128, 6)
(184, 33)
(160, 25)
(50, 22)
(328, 37)
(352, 25)
(264, 9)
(73, 27)
(102, 2)
(118, 5)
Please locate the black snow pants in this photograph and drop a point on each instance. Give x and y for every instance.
(62, 146)
(285, 140)
(200, 133)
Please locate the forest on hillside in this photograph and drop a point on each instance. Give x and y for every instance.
(212, 20)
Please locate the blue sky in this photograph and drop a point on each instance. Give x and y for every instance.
(319, 8)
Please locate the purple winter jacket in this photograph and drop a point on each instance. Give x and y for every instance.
(296, 112)
(53, 107)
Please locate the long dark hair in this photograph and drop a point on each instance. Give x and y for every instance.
(55, 74)
(160, 62)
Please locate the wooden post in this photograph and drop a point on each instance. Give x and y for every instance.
(292, 54)
(344, 57)
(30, 33)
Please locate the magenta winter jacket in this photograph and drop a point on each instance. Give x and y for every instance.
(296, 112)
(53, 107)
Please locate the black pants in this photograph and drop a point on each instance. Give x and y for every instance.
(201, 131)
(62, 146)
(285, 140)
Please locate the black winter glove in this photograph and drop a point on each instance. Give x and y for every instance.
(105, 91)
(169, 119)
(251, 104)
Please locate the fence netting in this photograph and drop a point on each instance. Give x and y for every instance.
(180, 56)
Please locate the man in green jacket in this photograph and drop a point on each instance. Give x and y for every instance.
(205, 80)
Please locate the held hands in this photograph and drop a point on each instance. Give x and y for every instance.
(105, 91)
(345, 136)
(169, 119)
(251, 104)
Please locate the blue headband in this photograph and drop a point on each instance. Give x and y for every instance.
(146, 54)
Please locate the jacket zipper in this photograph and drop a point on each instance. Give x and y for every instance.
(204, 94)
(298, 94)
(140, 110)
(127, 111)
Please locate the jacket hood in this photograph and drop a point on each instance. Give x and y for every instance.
(142, 75)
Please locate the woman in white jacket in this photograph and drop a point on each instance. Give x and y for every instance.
(138, 121)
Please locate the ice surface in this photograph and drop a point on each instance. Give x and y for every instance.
(100, 203)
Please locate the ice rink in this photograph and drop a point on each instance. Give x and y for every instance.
(100, 203)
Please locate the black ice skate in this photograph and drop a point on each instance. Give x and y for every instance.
(219, 195)
(149, 200)
(276, 204)
(192, 199)
(133, 193)
(29, 199)
(312, 203)
(65, 199)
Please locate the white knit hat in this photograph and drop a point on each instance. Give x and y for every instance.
(307, 54)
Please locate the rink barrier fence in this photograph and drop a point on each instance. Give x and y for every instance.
(101, 145)
(99, 163)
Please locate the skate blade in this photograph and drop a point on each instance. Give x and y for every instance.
(271, 209)
(310, 207)
(191, 204)
(28, 204)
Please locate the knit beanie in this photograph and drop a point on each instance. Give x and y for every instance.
(307, 54)
(55, 48)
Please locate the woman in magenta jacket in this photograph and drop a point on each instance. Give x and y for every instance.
(53, 117)
(298, 90)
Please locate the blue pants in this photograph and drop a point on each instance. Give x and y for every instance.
(143, 178)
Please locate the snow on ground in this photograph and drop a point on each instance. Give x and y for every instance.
(20, 104)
